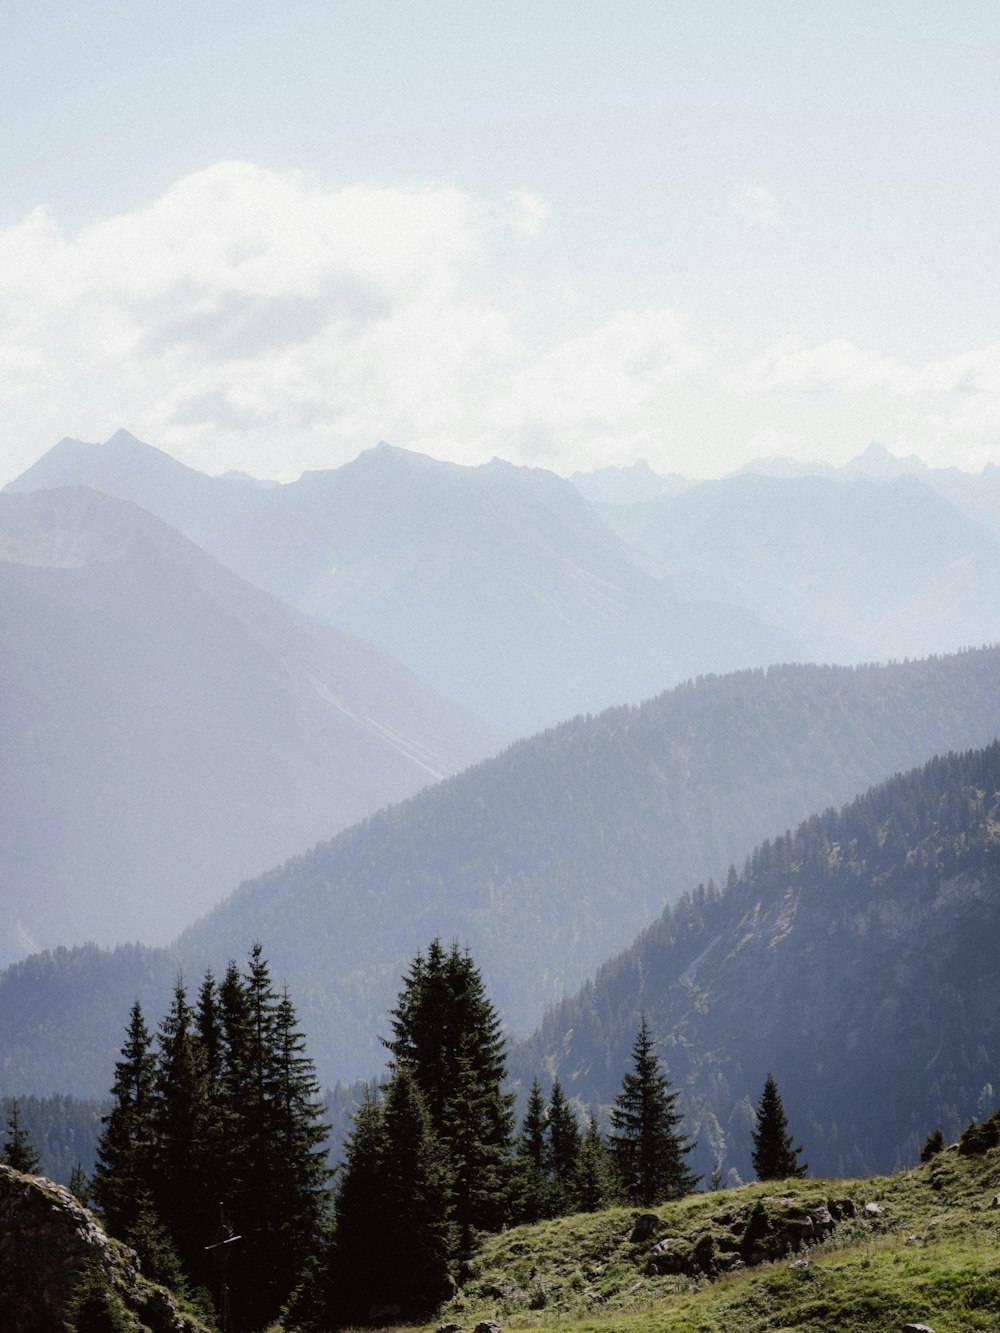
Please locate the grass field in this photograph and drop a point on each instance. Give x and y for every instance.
(930, 1255)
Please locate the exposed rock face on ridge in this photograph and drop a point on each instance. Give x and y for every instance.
(748, 1235)
(47, 1241)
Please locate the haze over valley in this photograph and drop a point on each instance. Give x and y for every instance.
(499, 667)
(268, 730)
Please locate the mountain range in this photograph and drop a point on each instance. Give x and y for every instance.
(169, 730)
(853, 959)
(500, 586)
(527, 598)
(856, 570)
(196, 505)
(544, 860)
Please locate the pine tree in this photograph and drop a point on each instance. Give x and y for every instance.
(158, 1256)
(563, 1152)
(418, 1231)
(232, 1081)
(356, 1259)
(209, 1027)
(448, 1034)
(529, 1185)
(17, 1150)
(219, 1117)
(774, 1155)
(596, 1185)
(126, 1149)
(95, 1306)
(78, 1184)
(932, 1145)
(393, 1245)
(181, 1101)
(276, 1193)
(227, 1110)
(646, 1146)
(299, 1171)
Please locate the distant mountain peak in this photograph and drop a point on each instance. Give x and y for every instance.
(781, 465)
(628, 484)
(127, 468)
(123, 437)
(384, 455)
(881, 464)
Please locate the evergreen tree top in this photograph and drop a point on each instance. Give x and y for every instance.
(775, 1156)
(647, 1146)
(18, 1152)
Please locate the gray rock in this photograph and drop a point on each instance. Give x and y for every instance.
(488, 1326)
(995, 1202)
(449, 1328)
(646, 1225)
(47, 1240)
(873, 1209)
(916, 1328)
(841, 1208)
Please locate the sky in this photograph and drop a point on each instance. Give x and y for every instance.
(266, 235)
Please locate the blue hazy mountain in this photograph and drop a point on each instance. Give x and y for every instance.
(855, 569)
(855, 959)
(169, 730)
(498, 584)
(196, 505)
(545, 860)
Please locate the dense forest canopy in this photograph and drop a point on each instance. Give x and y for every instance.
(853, 957)
(542, 860)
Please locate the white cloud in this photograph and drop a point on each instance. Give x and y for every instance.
(837, 366)
(531, 212)
(248, 318)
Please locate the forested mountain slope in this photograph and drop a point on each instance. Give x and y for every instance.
(855, 959)
(856, 569)
(498, 584)
(543, 860)
(168, 730)
(196, 505)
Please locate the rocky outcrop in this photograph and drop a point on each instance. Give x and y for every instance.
(48, 1241)
(751, 1234)
(646, 1225)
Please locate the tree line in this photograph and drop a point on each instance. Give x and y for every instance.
(215, 1133)
(212, 1161)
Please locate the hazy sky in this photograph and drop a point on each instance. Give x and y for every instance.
(267, 235)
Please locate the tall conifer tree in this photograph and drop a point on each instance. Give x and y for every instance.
(356, 1260)
(563, 1151)
(529, 1185)
(646, 1144)
(393, 1242)
(277, 1191)
(180, 1111)
(775, 1156)
(227, 1111)
(597, 1184)
(299, 1172)
(446, 1031)
(17, 1150)
(126, 1149)
(420, 1234)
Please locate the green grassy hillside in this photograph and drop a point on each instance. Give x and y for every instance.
(807, 1254)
